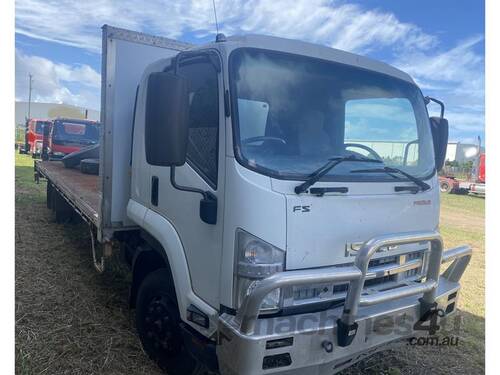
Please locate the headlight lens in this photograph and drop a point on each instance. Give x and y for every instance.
(256, 260)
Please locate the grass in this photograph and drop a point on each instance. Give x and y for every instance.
(26, 190)
(69, 319)
(464, 204)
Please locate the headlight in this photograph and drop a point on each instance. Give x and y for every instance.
(256, 260)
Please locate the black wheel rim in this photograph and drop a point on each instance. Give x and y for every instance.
(159, 326)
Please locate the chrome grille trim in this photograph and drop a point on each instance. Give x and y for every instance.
(384, 273)
(392, 269)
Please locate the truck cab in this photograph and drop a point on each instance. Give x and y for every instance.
(277, 202)
(70, 135)
(248, 124)
(34, 135)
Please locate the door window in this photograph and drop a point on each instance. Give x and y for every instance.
(202, 152)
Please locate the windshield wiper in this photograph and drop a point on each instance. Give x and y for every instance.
(389, 170)
(328, 166)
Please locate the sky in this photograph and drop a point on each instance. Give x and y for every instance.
(439, 43)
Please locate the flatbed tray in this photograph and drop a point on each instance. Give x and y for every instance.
(83, 191)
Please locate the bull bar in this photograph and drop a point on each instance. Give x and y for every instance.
(356, 274)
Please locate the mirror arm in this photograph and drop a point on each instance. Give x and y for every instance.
(185, 188)
(428, 99)
(407, 149)
(208, 205)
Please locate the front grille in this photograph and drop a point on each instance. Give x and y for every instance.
(383, 273)
(381, 261)
(380, 280)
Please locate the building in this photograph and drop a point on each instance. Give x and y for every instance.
(53, 110)
(461, 152)
(456, 151)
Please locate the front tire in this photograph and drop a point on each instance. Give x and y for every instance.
(157, 321)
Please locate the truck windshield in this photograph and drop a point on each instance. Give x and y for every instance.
(291, 113)
(39, 125)
(81, 132)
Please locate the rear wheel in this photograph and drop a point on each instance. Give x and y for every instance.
(157, 321)
(445, 186)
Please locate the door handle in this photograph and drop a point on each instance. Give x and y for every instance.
(154, 190)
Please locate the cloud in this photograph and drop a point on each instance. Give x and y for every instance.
(346, 26)
(51, 81)
(452, 66)
(467, 121)
(455, 75)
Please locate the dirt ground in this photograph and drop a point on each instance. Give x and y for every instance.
(71, 320)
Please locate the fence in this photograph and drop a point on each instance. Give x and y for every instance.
(461, 172)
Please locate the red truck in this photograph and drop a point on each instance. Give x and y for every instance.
(478, 185)
(475, 184)
(70, 135)
(33, 137)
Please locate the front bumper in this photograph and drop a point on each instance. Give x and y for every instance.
(38, 147)
(326, 342)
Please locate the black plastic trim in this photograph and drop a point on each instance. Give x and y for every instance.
(291, 310)
(200, 347)
(346, 333)
(133, 125)
(154, 190)
(276, 361)
(411, 189)
(320, 191)
(227, 105)
(193, 310)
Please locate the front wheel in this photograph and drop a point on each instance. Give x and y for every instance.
(157, 321)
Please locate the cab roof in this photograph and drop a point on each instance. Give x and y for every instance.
(75, 120)
(307, 49)
(40, 119)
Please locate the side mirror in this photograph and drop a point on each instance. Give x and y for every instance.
(439, 130)
(166, 120)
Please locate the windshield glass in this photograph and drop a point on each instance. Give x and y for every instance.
(292, 113)
(82, 132)
(39, 125)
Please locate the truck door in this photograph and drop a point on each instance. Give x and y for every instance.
(205, 155)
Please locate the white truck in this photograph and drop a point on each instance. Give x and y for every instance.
(275, 200)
